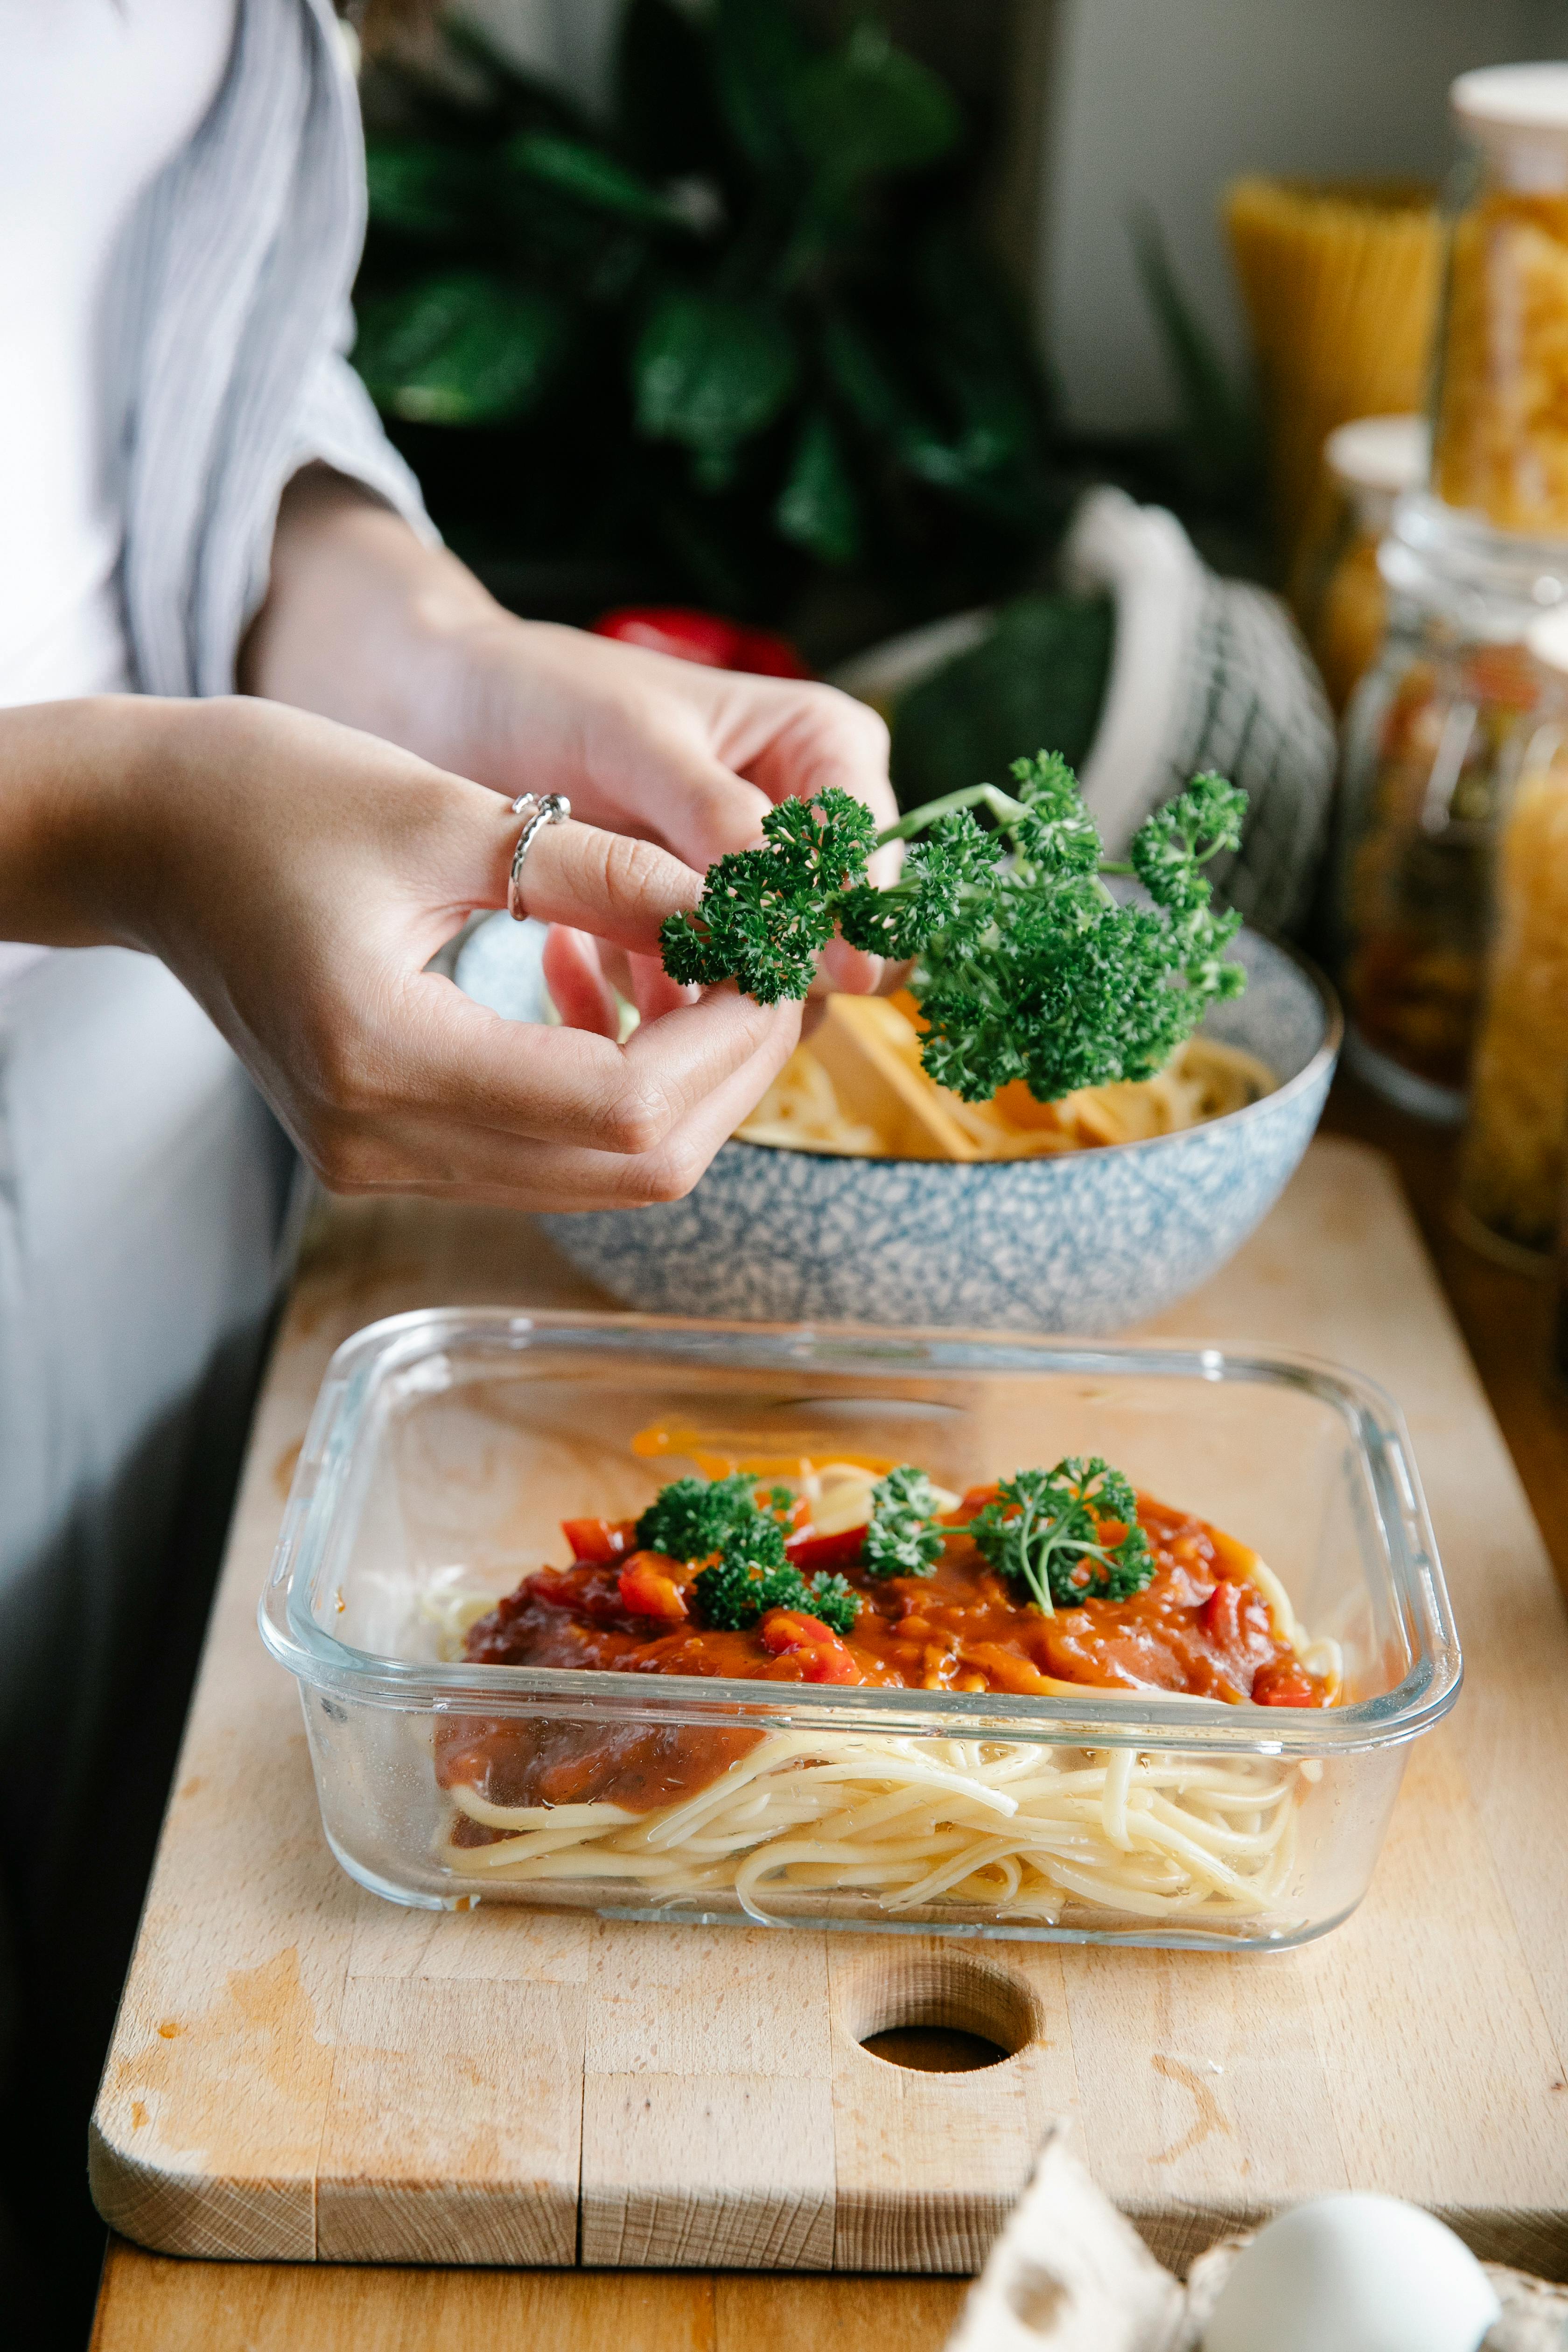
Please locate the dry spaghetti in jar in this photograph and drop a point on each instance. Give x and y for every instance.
(1511, 1171)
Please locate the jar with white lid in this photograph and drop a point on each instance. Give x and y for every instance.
(1512, 1166)
(1501, 392)
(1338, 590)
(1430, 738)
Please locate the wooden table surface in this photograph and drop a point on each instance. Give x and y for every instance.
(150, 2301)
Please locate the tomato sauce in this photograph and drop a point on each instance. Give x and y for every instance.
(1201, 1626)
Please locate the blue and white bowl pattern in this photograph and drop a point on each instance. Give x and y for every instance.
(1087, 1242)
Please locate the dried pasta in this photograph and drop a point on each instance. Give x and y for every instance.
(1203, 1080)
(1511, 1177)
(1501, 444)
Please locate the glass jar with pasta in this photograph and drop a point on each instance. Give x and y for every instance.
(1500, 410)
(1512, 1166)
(1431, 735)
(1336, 587)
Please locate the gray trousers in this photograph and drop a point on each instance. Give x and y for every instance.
(143, 1186)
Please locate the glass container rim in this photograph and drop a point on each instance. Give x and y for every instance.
(1162, 1720)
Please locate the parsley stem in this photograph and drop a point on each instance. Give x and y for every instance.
(1002, 805)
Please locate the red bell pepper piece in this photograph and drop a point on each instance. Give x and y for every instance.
(974, 1501)
(821, 1656)
(600, 1540)
(648, 1587)
(809, 1552)
(1287, 1683)
(706, 637)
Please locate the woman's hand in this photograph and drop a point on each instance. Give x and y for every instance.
(299, 875)
(366, 624)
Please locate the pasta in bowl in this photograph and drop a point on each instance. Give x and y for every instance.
(1047, 1238)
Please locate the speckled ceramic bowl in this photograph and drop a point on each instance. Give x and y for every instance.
(1088, 1242)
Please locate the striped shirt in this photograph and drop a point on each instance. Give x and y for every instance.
(231, 331)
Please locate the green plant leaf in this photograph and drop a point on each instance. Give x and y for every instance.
(758, 54)
(817, 508)
(1220, 425)
(858, 374)
(466, 348)
(866, 381)
(665, 110)
(709, 372)
(872, 109)
(974, 342)
(422, 188)
(591, 177)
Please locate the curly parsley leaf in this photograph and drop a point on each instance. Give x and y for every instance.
(898, 921)
(1026, 965)
(737, 1591)
(765, 915)
(833, 1599)
(1044, 1531)
(902, 1539)
(739, 1530)
(693, 1519)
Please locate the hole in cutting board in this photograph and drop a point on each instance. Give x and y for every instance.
(938, 2013)
(934, 2048)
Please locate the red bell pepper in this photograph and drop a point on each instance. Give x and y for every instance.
(648, 1589)
(1287, 1683)
(819, 1655)
(600, 1540)
(809, 1552)
(705, 637)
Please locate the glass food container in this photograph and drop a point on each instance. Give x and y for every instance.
(1337, 588)
(1500, 406)
(1430, 738)
(446, 1446)
(1511, 1164)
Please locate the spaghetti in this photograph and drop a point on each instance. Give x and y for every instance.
(779, 1822)
(1013, 1831)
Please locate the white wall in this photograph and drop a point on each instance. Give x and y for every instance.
(1166, 101)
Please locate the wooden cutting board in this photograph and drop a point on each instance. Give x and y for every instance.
(301, 2072)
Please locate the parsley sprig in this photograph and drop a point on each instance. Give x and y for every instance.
(692, 1517)
(1044, 1531)
(902, 1539)
(1028, 965)
(722, 1522)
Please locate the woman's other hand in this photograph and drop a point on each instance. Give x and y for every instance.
(298, 875)
(368, 625)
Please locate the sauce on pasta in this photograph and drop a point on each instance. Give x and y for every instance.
(1202, 1626)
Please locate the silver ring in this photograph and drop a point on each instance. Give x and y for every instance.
(554, 809)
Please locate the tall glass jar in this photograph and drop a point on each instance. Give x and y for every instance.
(1429, 740)
(1337, 589)
(1435, 725)
(1511, 1164)
(1501, 395)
